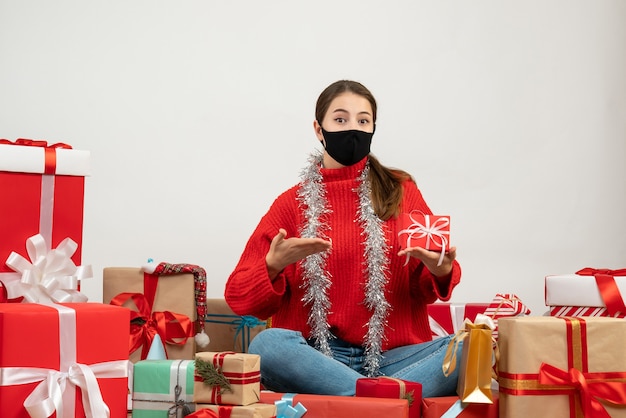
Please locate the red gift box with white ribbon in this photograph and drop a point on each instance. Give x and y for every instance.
(431, 232)
(43, 193)
(449, 318)
(71, 359)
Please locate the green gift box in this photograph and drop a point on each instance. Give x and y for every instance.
(163, 388)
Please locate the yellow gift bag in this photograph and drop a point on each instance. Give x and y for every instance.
(477, 359)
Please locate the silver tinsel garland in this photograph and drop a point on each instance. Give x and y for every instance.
(317, 280)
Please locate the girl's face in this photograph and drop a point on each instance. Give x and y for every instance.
(347, 111)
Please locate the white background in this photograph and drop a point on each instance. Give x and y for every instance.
(511, 115)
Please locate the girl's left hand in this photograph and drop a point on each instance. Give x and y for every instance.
(431, 258)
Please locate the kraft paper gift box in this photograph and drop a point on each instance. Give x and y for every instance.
(41, 346)
(227, 331)
(588, 292)
(440, 406)
(227, 378)
(43, 190)
(562, 367)
(174, 294)
(388, 387)
(327, 406)
(255, 410)
(163, 388)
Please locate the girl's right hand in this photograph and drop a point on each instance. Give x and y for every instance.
(285, 251)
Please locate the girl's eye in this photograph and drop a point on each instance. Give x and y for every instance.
(340, 120)
(364, 121)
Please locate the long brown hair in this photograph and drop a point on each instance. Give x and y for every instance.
(386, 183)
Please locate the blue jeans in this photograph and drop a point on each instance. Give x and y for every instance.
(289, 363)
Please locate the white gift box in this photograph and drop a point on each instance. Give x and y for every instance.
(577, 290)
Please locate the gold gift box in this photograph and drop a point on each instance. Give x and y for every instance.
(591, 345)
(174, 293)
(256, 410)
(243, 372)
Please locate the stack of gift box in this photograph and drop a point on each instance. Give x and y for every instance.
(58, 353)
(78, 358)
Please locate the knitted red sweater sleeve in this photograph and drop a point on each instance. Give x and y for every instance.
(249, 290)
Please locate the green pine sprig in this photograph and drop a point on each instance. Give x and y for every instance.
(212, 376)
(410, 396)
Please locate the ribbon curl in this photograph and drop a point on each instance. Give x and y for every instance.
(145, 324)
(286, 409)
(434, 233)
(588, 388)
(49, 276)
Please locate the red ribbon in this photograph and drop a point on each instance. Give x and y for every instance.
(169, 325)
(4, 296)
(50, 151)
(589, 386)
(608, 288)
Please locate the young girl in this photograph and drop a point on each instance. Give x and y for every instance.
(325, 264)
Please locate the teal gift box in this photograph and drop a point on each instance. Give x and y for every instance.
(163, 388)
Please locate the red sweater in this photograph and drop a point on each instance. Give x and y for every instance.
(249, 290)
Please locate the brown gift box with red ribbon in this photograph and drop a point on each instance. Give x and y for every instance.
(162, 304)
(44, 184)
(389, 387)
(227, 378)
(562, 367)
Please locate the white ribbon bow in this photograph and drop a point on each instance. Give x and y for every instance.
(47, 397)
(434, 233)
(49, 276)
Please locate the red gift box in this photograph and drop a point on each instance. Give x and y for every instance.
(327, 406)
(43, 190)
(388, 387)
(72, 350)
(448, 318)
(438, 406)
(431, 232)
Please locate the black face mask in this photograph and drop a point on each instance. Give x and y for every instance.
(347, 147)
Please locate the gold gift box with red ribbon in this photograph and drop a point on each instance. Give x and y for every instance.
(231, 378)
(562, 367)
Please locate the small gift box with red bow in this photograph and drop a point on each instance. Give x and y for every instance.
(166, 299)
(389, 387)
(43, 187)
(562, 367)
(71, 358)
(588, 292)
(227, 378)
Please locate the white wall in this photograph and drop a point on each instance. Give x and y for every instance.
(510, 115)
